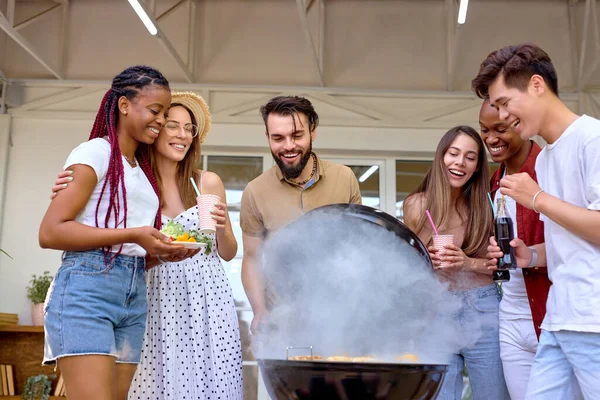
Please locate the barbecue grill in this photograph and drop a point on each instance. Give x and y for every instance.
(379, 378)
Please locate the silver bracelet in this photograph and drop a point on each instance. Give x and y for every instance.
(161, 260)
(534, 257)
(533, 202)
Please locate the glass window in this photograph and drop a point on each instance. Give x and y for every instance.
(368, 182)
(235, 172)
(409, 175)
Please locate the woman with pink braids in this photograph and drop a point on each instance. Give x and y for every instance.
(106, 222)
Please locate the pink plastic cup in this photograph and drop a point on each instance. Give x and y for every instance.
(439, 243)
(206, 203)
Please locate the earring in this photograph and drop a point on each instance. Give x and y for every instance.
(124, 112)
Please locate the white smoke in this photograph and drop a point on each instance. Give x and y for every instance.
(348, 287)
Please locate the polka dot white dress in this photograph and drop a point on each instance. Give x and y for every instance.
(192, 347)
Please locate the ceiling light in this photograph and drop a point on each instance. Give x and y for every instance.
(462, 11)
(367, 174)
(141, 12)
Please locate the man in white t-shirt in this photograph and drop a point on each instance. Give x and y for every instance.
(520, 81)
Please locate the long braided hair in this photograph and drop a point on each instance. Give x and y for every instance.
(128, 83)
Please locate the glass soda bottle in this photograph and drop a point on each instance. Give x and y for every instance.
(501, 276)
(503, 229)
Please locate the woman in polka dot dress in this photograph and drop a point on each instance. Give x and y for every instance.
(192, 346)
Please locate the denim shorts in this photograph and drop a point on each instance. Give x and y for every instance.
(95, 308)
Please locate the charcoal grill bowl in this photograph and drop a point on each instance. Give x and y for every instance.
(318, 380)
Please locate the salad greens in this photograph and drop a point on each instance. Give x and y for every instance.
(173, 229)
(177, 233)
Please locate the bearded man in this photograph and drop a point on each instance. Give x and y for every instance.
(299, 182)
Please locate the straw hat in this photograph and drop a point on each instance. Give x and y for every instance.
(198, 107)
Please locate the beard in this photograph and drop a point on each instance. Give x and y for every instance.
(292, 172)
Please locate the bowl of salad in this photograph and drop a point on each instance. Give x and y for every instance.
(191, 239)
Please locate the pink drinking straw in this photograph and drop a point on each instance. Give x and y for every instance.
(431, 222)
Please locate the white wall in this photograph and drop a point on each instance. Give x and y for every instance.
(4, 143)
(36, 156)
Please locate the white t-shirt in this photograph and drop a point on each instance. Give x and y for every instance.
(515, 303)
(570, 170)
(142, 202)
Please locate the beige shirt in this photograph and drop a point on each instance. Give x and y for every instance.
(269, 202)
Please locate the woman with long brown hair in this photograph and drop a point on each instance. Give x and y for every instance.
(455, 193)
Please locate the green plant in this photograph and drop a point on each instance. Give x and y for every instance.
(39, 287)
(37, 388)
(8, 255)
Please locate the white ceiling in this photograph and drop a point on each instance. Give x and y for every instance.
(384, 45)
